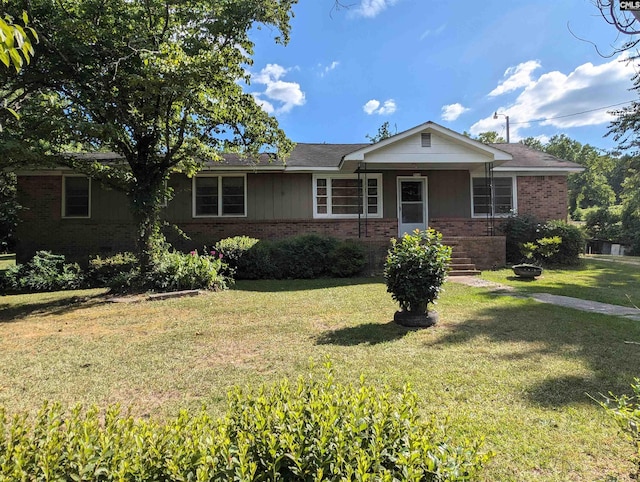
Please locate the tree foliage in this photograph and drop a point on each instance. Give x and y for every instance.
(490, 137)
(384, 132)
(16, 41)
(157, 82)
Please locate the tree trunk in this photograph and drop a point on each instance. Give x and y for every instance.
(145, 207)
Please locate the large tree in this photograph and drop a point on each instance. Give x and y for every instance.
(161, 83)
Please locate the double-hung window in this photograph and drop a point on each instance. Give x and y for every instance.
(347, 196)
(493, 197)
(219, 195)
(76, 197)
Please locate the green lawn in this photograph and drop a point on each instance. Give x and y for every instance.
(513, 370)
(7, 260)
(610, 281)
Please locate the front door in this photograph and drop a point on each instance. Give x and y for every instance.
(412, 204)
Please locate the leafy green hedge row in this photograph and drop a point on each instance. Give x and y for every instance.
(301, 257)
(315, 429)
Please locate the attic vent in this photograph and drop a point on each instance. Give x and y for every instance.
(426, 140)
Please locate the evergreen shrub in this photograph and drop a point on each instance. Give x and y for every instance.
(306, 256)
(416, 267)
(44, 272)
(175, 271)
(312, 430)
(524, 229)
(118, 272)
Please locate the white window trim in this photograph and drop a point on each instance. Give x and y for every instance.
(329, 177)
(64, 197)
(514, 197)
(219, 215)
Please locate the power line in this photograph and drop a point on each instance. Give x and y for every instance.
(577, 113)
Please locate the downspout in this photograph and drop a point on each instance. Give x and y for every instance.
(365, 191)
(359, 205)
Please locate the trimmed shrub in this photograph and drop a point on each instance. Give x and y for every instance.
(118, 272)
(522, 230)
(416, 267)
(302, 257)
(573, 242)
(519, 230)
(304, 431)
(176, 271)
(44, 272)
(347, 259)
(232, 249)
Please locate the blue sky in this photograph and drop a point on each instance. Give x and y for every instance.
(347, 71)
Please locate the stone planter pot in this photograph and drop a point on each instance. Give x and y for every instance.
(416, 319)
(530, 271)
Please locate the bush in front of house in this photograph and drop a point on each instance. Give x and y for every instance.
(573, 242)
(315, 429)
(301, 257)
(44, 272)
(175, 271)
(525, 231)
(347, 259)
(232, 249)
(415, 269)
(119, 272)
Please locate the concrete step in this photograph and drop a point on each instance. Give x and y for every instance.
(461, 260)
(464, 272)
(463, 266)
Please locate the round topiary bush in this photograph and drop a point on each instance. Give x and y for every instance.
(415, 269)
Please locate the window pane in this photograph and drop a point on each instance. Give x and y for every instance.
(206, 196)
(345, 196)
(76, 201)
(502, 195)
(411, 191)
(233, 195)
(412, 213)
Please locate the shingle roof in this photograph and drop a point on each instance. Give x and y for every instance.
(526, 157)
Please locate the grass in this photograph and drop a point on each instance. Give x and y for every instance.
(513, 370)
(7, 260)
(610, 281)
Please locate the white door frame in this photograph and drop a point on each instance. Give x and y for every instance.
(404, 228)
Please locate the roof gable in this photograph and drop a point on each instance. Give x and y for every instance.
(446, 146)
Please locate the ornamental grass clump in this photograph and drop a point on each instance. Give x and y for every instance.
(415, 269)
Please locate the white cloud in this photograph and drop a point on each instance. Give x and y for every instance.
(516, 77)
(328, 68)
(371, 8)
(434, 32)
(452, 111)
(374, 107)
(282, 96)
(371, 106)
(555, 97)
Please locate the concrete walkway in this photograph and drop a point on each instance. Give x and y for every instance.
(567, 302)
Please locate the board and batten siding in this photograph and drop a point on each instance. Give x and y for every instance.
(448, 193)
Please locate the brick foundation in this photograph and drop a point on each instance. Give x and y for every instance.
(207, 232)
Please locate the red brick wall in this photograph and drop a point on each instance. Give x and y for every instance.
(206, 232)
(544, 197)
(460, 226)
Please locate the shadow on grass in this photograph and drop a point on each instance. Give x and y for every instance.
(272, 286)
(367, 334)
(539, 333)
(59, 305)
